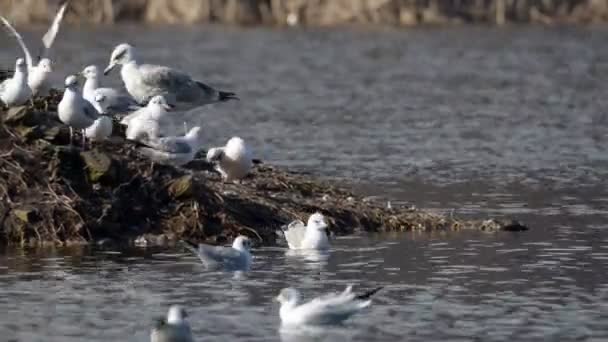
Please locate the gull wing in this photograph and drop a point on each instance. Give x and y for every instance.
(11, 31)
(51, 33)
(294, 234)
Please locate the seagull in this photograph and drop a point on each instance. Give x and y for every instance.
(236, 257)
(172, 150)
(14, 91)
(310, 236)
(113, 100)
(233, 161)
(74, 110)
(38, 75)
(143, 81)
(144, 123)
(174, 328)
(332, 308)
(102, 127)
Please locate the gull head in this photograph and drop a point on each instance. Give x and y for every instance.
(90, 71)
(101, 101)
(160, 101)
(176, 315)
(45, 65)
(122, 54)
(242, 243)
(20, 64)
(288, 296)
(71, 81)
(235, 147)
(317, 221)
(215, 154)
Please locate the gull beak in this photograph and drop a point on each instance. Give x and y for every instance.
(168, 107)
(107, 70)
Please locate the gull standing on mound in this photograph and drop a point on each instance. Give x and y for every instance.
(102, 127)
(14, 91)
(74, 110)
(332, 308)
(236, 257)
(143, 81)
(38, 75)
(173, 150)
(310, 236)
(113, 100)
(144, 123)
(233, 160)
(174, 328)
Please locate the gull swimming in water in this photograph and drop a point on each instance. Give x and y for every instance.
(144, 81)
(74, 110)
(102, 127)
(173, 150)
(14, 91)
(38, 75)
(174, 328)
(113, 100)
(310, 236)
(332, 308)
(233, 161)
(236, 257)
(144, 123)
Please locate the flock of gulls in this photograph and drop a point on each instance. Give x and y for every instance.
(152, 91)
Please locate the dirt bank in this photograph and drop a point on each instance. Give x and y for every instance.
(311, 12)
(53, 193)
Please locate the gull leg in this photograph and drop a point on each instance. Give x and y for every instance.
(185, 128)
(84, 141)
(71, 136)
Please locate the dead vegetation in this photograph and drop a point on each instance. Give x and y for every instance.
(53, 193)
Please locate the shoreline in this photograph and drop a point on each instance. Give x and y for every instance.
(60, 195)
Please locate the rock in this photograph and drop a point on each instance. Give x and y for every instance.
(26, 215)
(514, 226)
(17, 114)
(100, 167)
(181, 187)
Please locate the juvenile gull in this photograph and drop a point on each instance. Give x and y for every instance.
(38, 75)
(113, 101)
(233, 161)
(15, 91)
(173, 150)
(143, 81)
(74, 110)
(174, 328)
(310, 236)
(144, 123)
(236, 257)
(102, 127)
(332, 308)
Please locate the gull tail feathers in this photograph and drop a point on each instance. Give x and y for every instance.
(367, 295)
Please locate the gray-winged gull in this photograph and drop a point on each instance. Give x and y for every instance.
(310, 236)
(144, 123)
(332, 308)
(143, 81)
(38, 75)
(175, 151)
(114, 100)
(74, 110)
(14, 91)
(233, 161)
(235, 257)
(174, 328)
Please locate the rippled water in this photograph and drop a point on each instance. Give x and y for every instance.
(474, 121)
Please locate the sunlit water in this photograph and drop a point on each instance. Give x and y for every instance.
(470, 121)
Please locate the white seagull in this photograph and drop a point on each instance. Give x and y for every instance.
(233, 161)
(113, 100)
(38, 75)
(74, 110)
(174, 328)
(310, 236)
(144, 81)
(332, 308)
(145, 122)
(102, 127)
(14, 91)
(236, 257)
(176, 151)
